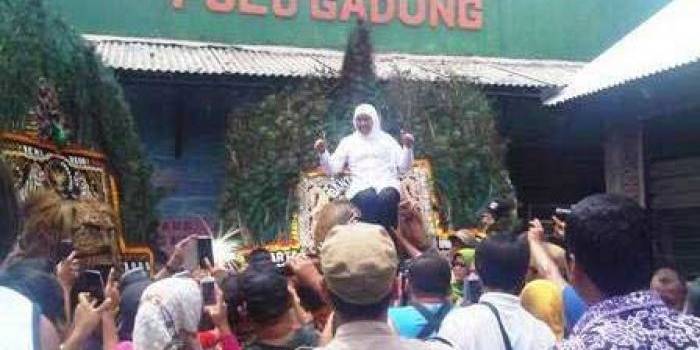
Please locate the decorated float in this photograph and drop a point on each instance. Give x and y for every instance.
(41, 157)
(315, 190)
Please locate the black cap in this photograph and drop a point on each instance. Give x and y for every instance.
(266, 294)
(129, 305)
(498, 208)
(133, 276)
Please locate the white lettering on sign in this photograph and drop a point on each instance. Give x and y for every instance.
(281, 257)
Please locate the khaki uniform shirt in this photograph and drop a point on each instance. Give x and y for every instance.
(373, 335)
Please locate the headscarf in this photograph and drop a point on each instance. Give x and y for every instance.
(467, 255)
(368, 109)
(376, 134)
(170, 310)
(543, 299)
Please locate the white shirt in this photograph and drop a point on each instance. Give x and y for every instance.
(475, 327)
(17, 326)
(374, 162)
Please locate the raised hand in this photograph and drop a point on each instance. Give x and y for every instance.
(536, 231)
(111, 290)
(320, 145)
(178, 255)
(215, 271)
(87, 317)
(67, 271)
(219, 312)
(407, 139)
(559, 227)
(305, 270)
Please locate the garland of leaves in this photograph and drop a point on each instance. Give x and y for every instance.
(35, 43)
(455, 127)
(268, 145)
(271, 143)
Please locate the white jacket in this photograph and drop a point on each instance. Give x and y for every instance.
(375, 160)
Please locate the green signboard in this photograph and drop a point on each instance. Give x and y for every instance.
(566, 29)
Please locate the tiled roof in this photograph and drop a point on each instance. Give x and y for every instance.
(667, 40)
(171, 56)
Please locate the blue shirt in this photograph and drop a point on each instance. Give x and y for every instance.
(408, 322)
(574, 307)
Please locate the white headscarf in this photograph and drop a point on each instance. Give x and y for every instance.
(168, 307)
(376, 134)
(375, 160)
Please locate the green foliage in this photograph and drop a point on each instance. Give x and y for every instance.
(454, 126)
(269, 144)
(357, 84)
(35, 43)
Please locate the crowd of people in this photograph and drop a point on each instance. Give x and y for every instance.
(367, 284)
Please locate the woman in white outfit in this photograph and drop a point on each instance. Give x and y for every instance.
(375, 161)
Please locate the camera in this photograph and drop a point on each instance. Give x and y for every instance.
(562, 213)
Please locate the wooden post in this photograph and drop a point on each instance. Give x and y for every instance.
(624, 159)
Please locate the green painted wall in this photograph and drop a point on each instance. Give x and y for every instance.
(566, 29)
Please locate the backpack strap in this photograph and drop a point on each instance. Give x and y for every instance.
(434, 320)
(506, 340)
(36, 326)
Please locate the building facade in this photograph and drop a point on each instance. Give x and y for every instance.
(184, 64)
(643, 92)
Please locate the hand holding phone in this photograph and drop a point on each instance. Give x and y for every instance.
(91, 282)
(204, 251)
(193, 251)
(208, 290)
(218, 312)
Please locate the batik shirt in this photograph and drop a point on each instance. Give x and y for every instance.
(638, 320)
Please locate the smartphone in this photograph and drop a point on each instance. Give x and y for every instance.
(91, 281)
(208, 290)
(190, 256)
(204, 250)
(65, 247)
